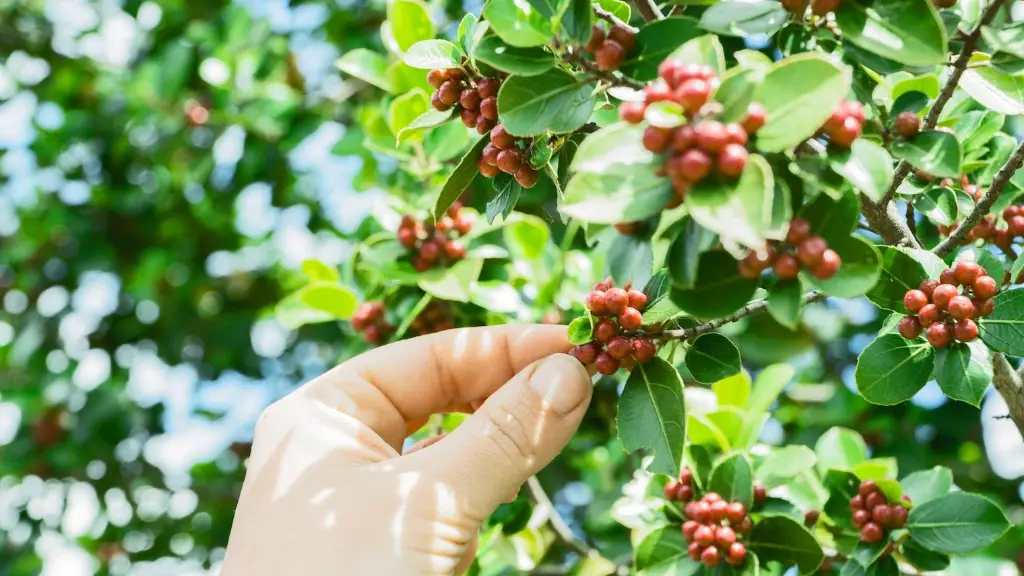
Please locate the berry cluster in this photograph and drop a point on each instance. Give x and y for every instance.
(436, 317)
(680, 490)
(713, 529)
(988, 229)
(942, 312)
(477, 105)
(610, 49)
(611, 349)
(503, 153)
(435, 244)
(873, 514)
(906, 124)
(369, 319)
(818, 7)
(845, 124)
(800, 250)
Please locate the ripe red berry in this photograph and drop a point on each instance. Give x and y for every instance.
(847, 133)
(469, 118)
(685, 493)
(609, 56)
(899, 517)
(811, 250)
(961, 308)
(484, 125)
(725, 536)
(914, 300)
(527, 176)
(861, 517)
(656, 139)
(455, 250)
(867, 487)
(701, 512)
(449, 92)
(882, 515)
(928, 286)
(737, 135)
(667, 70)
(509, 160)
(711, 557)
(967, 272)
(373, 335)
(407, 237)
(631, 319)
(488, 87)
(939, 335)
(910, 328)
(985, 287)
(435, 78)
(948, 276)
(695, 165)
(871, 533)
(489, 108)
(873, 500)
(965, 330)
(760, 494)
(984, 307)
(762, 259)
(737, 554)
(942, 295)
(756, 117)
(587, 353)
(624, 36)
(929, 315)
(643, 350)
(719, 509)
(746, 526)
(732, 160)
(435, 101)
(637, 299)
(693, 94)
(811, 517)
(712, 497)
(490, 154)
(907, 124)
(596, 304)
(469, 99)
(736, 512)
(711, 136)
(689, 527)
(605, 329)
(683, 138)
(694, 550)
(658, 92)
(705, 535)
(799, 230)
(633, 112)
(501, 138)
(670, 491)
(857, 503)
(606, 364)
(596, 39)
(619, 347)
(787, 267)
(616, 299)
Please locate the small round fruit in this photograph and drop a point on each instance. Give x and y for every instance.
(705, 536)
(732, 160)
(587, 353)
(928, 287)
(490, 154)
(756, 117)
(527, 176)
(747, 270)
(985, 287)
(488, 87)
(469, 99)
(871, 533)
(929, 315)
(483, 125)
(967, 272)
(435, 78)
(965, 330)
(643, 350)
(605, 330)
(899, 517)
(489, 108)
(943, 294)
(828, 266)
(857, 503)
(435, 101)
(488, 170)
(501, 138)
(907, 124)
(631, 319)
(948, 276)
(616, 299)
(719, 509)
(847, 133)
(469, 117)
(984, 307)
(711, 136)
(624, 36)
(609, 56)
(736, 512)
(910, 328)
(695, 165)
(811, 517)
(882, 515)
(683, 138)
(961, 308)
(939, 335)
(595, 303)
(670, 494)
(762, 259)
(811, 250)
(657, 139)
(914, 300)
(737, 554)
(509, 161)
(725, 536)
(685, 493)
(455, 250)
(694, 550)
(693, 94)
(407, 237)
(637, 299)
(861, 517)
(632, 112)
(619, 347)
(787, 267)
(799, 230)
(737, 135)
(760, 494)
(449, 93)
(867, 487)
(606, 364)
(690, 526)
(596, 39)
(658, 92)
(711, 557)
(874, 499)
(702, 512)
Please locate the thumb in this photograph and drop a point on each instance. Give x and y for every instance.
(514, 434)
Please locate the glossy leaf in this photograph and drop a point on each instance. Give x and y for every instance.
(735, 18)
(733, 480)
(958, 523)
(655, 42)
(1003, 330)
(520, 61)
(719, 289)
(927, 485)
(964, 371)
(739, 213)
(933, 151)
(781, 539)
(712, 357)
(892, 369)
(651, 415)
(907, 31)
(799, 94)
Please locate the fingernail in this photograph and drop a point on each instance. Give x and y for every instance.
(562, 382)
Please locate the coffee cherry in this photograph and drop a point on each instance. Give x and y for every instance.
(656, 139)
(732, 160)
(616, 299)
(907, 124)
(914, 300)
(787, 267)
(605, 330)
(587, 353)
(984, 307)
(855, 110)
(705, 535)
(619, 347)
(737, 135)
(632, 112)
(756, 117)
(874, 499)
(871, 533)
(967, 272)
(509, 161)
(469, 99)
(637, 299)
(737, 554)
(736, 512)
(811, 518)
(857, 503)
(631, 319)
(929, 315)
(710, 557)
(489, 108)
(899, 517)
(643, 350)
(948, 276)
(693, 94)
(961, 308)
(624, 36)
(760, 494)
(596, 39)
(609, 56)
(695, 165)
(882, 515)
(373, 335)
(435, 78)
(762, 259)
(725, 536)
(488, 87)
(527, 176)
(606, 364)
(435, 101)
(689, 527)
(943, 294)
(702, 512)
(667, 71)
(939, 335)
(670, 493)
(861, 517)
(596, 304)
(985, 287)
(694, 550)
(711, 136)
(965, 330)
(928, 286)
(719, 509)
(407, 237)
(605, 285)
(799, 230)
(684, 138)
(712, 497)
(469, 118)
(811, 250)
(449, 92)
(430, 252)
(910, 328)
(847, 133)
(490, 154)
(685, 493)
(867, 487)
(484, 125)
(455, 250)
(658, 92)
(502, 138)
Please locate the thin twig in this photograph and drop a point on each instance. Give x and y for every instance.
(558, 524)
(981, 209)
(613, 19)
(755, 307)
(932, 119)
(649, 10)
(606, 75)
(911, 221)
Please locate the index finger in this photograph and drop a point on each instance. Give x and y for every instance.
(408, 381)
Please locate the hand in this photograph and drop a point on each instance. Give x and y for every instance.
(328, 492)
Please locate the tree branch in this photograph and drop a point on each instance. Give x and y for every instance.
(1009, 385)
(649, 10)
(558, 524)
(981, 209)
(887, 223)
(613, 19)
(755, 307)
(606, 75)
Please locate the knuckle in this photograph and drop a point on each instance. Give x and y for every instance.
(509, 430)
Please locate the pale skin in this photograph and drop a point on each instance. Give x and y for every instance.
(328, 490)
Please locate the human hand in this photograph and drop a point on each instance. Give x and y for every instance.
(328, 492)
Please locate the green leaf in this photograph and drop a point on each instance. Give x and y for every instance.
(459, 179)
(331, 298)
(892, 369)
(410, 22)
(293, 313)
(927, 84)
(785, 302)
(958, 523)
(781, 539)
(518, 23)
(834, 219)
(719, 290)
(506, 194)
(739, 18)
(612, 147)
(927, 485)
(1001, 147)
(784, 464)
(553, 101)
(430, 54)
(526, 236)
(866, 165)
(471, 32)
(624, 193)
(922, 558)
(733, 480)
(736, 93)
(740, 213)
(317, 271)
(712, 357)
(732, 391)
(581, 330)
(665, 114)
(453, 283)
(520, 61)
(577, 20)
(366, 65)
(886, 566)
(630, 259)
(858, 273)
(799, 93)
(651, 414)
(654, 42)
(663, 553)
(933, 151)
(684, 252)
(430, 119)
(706, 50)
(842, 486)
(908, 102)
(1003, 330)
(907, 31)
(900, 273)
(964, 371)
(866, 554)
(768, 385)
(938, 204)
(840, 448)
(995, 90)
(976, 128)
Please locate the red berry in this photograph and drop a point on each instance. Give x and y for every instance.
(435, 78)
(725, 536)
(637, 299)
(694, 550)
(712, 497)
(695, 165)
(619, 347)
(929, 315)
(490, 154)
(693, 94)
(670, 494)
(407, 237)
(705, 535)
(373, 335)
(710, 557)
(737, 135)
(948, 276)
(871, 533)
(469, 118)
(711, 136)
(527, 176)
(867, 487)
(847, 133)
(910, 328)
(939, 335)
(719, 509)
(736, 512)
(943, 294)
(760, 494)
(857, 503)
(882, 515)
(899, 517)
(689, 527)
(489, 108)
(732, 160)
(762, 259)
(605, 330)
(488, 87)
(685, 493)
(967, 272)
(928, 286)
(683, 138)
(984, 307)
(469, 99)
(874, 499)
(596, 39)
(656, 139)
(632, 112)
(914, 300)
(686, 476)
(799, 230)
(667, 70)
(961, 308)
(658, 92)
(484, 125)
(455, 74)
(643, 350)
(449, 93)
(435, 101)
(746, 526)
(501, 138)
(965, 330)
(907, 124)
(616, 299)
(455, 250)
(631, 319)
(737, 554)
(606, 364)
(609, 56)
(623, 36)
(861, 517)
(596, 304)
(509, 160)
(701, 512)
(985, 287)
(811, 250)
(756, 117)
(787, 267)
(587, 353)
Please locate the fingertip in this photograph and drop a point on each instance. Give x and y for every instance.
(562, 382)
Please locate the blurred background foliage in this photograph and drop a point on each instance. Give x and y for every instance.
(165, 168)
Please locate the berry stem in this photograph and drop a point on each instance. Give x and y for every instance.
(606, 75)
(612, 18)
(755, 307)
(649, 10)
